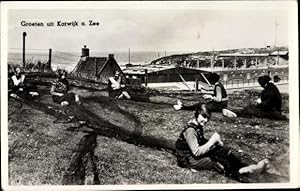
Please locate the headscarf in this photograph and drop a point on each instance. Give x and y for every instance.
(213, 78)
(263, 80)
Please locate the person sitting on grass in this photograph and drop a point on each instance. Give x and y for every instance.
(60, 90)
(217, 102)
(195, 152)
(268, 105)
(116, 87)
(18, 87)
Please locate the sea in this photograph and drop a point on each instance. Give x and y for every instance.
(68, 60)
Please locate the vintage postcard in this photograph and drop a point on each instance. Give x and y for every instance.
(149, 95)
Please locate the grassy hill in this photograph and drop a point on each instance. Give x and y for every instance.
(106, 141)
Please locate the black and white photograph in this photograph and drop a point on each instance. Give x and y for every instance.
(149, 94)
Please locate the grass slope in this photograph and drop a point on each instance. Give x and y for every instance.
(43, 151)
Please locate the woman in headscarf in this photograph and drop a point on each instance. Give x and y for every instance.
(116, 87)
(18, 86)
(60, 90)
(196, 152)
(268, 105)
(216, 102)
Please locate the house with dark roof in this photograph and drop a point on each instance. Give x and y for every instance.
(96, 68)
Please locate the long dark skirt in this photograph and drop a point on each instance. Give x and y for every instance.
(69, 97)
(255, 111)
(26, 89)
(115, 93)
(212, 106)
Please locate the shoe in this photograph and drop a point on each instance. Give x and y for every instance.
(228, 113)
(82, 122)
(33, 94)
(258, 168)
(13, 95)
(64, 103)
(177, 107)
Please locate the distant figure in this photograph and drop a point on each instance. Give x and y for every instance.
(116, 87)
(60, 90)
(18, 86)
(217, 102)
(268, 105)
(276, 78)
(194, 151)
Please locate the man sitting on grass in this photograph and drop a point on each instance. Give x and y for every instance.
(194, 151)
(217, 102)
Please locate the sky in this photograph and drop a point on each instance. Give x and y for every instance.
(190, 30)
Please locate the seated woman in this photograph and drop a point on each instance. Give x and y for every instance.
(116, 87)
(217, 102)
(268, 105)
(17, 85)
(195, 152)
(60, 90)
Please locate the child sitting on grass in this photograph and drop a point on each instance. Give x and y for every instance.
(194, 151)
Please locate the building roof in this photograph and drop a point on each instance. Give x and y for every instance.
(280, 53)
(141, 69)
(152, 68)
(241, 55)
(91, 66)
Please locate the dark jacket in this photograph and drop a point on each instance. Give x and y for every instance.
(183, 151)
(270, 98)
(224, 93)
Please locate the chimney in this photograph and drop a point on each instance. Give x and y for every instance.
(85, 52)
(111, 55)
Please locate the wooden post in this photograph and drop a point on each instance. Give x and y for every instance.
(24, 35)
(256, 62)
(223, 63)
(212, 63)
(129, 56)
(196, 85)
(95, 68)
(235, 62)
(146, 77)
(49, 60)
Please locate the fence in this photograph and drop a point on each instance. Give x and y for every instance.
(243, 83)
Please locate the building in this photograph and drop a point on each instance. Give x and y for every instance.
(281, 57)
(241, 60)
(166, 76)
(96, 68)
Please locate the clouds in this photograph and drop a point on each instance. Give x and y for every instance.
(170, 30)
